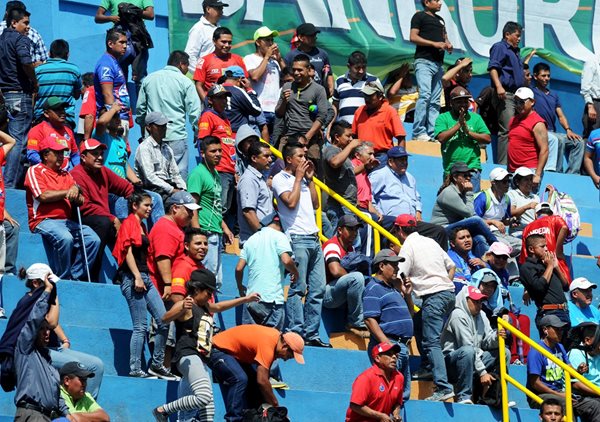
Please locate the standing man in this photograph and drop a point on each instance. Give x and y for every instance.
(506, 76)
(39, 53)
(171, 93)
(428, 32)
(200, 36)
(297, 201)
(590, 90)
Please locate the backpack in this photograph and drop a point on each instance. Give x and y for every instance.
(493, 396)
(562, 204)
(270, 414)
(8, 375)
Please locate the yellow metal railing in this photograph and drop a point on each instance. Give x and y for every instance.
(322, 187)
(569, 372)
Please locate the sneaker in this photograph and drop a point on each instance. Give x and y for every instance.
(422, 375)
(2, 313)
(141, 374)
(466, 401)
(362, 332)
(423, 138)
(163, 373)
(442, 395)
(159, 416)
(512, 403)
(279, 385)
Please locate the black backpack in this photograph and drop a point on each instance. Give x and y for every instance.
(493, 396)
(270, 414)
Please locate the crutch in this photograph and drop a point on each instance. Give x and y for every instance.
(85, 257)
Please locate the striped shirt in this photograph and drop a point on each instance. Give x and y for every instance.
(386, 305)
(57, 78)
(38, 52)
(349, 95)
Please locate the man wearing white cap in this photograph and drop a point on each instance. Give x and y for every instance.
(581, 298)
(522, 200)
(527, 137)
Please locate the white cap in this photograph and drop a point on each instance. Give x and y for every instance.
(498, 173)
(581, 283)
(543, 205)
(524, 172)
(40, 271)
(524, 93)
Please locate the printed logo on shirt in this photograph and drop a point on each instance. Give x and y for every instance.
(381, 388)
(105, 72)
(541, 231)
(228, 141)
(553, 371)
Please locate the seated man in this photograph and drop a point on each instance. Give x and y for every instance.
(580, 305)
(73, 379)
(461, 245)
(470, 344)
(586, 359)
(551, 410)
(344, 287)
(376, 391)
(51, 194)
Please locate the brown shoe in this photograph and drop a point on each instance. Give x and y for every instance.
(362, 332)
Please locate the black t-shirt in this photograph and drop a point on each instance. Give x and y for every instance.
(542, 292)
(194, 335)
(431, 28)
(140, 254)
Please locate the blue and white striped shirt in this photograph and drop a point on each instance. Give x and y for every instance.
(349, 95)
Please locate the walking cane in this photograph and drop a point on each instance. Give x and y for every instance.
(85, 256)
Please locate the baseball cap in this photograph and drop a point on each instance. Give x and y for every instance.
(498, 173)
(53, 103)
(524, 93)
(459, 167)
(397, 152)
(307, 29)
(349, 220)
(50, 142)
(372, 87)
(268, 219)
(581, 283)
(265, 31)
(157, 118)
(499, 248)
(524, 172)
(77, 369)
(552, 321)
(387, 255)
(385, 347)
(218, 89)
(474, 293)
(205, 277)
(296, 343)
(90, 145)
(40, 271)
(485, 275)
(214, 3)
(406, 220)
(182, 198)
(459, 92)
(543, 206)
(236, 71)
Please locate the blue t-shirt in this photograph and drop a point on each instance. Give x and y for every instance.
(115, 157)
(550, 373)
(578, 315)
(462, 275)
(108, 71)
(387, 306)
(545, 105)
(578, 357)
(593, 146)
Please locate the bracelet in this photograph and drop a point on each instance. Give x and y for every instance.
(567, 129)
(167, 284)
(65, 341)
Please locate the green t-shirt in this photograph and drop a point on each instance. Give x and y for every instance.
(86, 404)
(208, 187)
(460, 147)
(113, 5)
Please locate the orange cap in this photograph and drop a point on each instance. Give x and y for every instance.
(295, 342)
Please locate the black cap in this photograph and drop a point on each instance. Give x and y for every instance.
(307, 29)
(349, 220)
(459, 167)
(75, 368)
(206, 278)
(214, 3)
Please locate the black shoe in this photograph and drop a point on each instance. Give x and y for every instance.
(317, 342)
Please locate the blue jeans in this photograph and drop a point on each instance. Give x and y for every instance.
(436, 308)
(403, 364)
(305, 319)
(482, 235)
(348, 289)
(227, 190)
(11, 234)
(574, 150)
(554, 155)
(263, 313)
(138, 302)
(476, 180)
(61, 356)
(62, 242)
(429, 81)
(119, 207)
(212, 260)
(20, 108)
(181, 154)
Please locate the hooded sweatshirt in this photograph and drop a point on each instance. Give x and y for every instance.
(464, 329)
(245, 131)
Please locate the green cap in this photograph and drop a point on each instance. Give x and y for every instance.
(53, 103)
(264, 32)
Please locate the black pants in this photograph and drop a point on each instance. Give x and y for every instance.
(105, 229)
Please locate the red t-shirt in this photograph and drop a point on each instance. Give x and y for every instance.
(333, 251)
(211, 67)
(166, 239)
(522, 148)
(249, 343)
(379, 127)
(64, 136)
(182, 269)
(364, 194)
(212, 124)
(371, 389)
(2, 192)
(41, 179)
(88, 103)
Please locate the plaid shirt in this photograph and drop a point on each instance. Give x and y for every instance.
(39, 53)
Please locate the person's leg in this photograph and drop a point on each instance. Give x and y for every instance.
(137, 309)
(118, 206)
(575, 149)
(211, 260)
(513, 242)
(20, 108)
(347, 289)
(435, 232)
(433, 107)
(476, 180)
(156, 307)
(2, 255)
(90, 242)
(588, 409)
(554, 162)
(276, 318)
(424, 72)
(11, 234)
(316, 290)
(28, 415)
(227, 188)
(294, 307)
(106, 232)
(232, 381)
(59, 244)
(506, 110)
(462, 362)
(404, 367)
(181, 154)
(91, 363)
(139, 68)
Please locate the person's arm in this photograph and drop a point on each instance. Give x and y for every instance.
(376, 330)
(284, 99)
(338, 160)
(540, 133)
(131, 175)
(289, 265)
(322, 106)
(202, 93)
(227, 234)
(102, 17)
(565, 124)
(366, 411)
(7, 141)
(224, 305)
(415, 38)
(518, 211)
(107, 93)
(314, 129)
(330, 84)
(585, 390)
(540, 388)
(264, 386)
(495, 77)
(29, 332)
(148, 13)
(105, 118)
(181, 310)
(292, 198)
(560, 242)
(96, 416)
(447, 134)
(72, 194)
(335, 268)
(451, 73)
(251, 218)
(588, 165)
(239, 276)
(163, 263)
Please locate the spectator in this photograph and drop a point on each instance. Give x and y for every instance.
(307, 45)
(171, 93)
(370, 399)
(267, 254)
(548, 106)
(428, 32)
(38, 51)
(488, 282)
(73, 379)
(58, 78)
(243, 105)
(18, 84)
(431, 271)
(388, 310)
(506, 75)
(11, 235)
(378, 122)
(461, 132)
(461, 246)
(458, 75)
(294, 190)
(496, 258)
(586, 359)
(51, 194)
(591, 158)
(241, 359)
(590, 91)
(522, 200)
(204, 184)
(402, 92)
(7, 143)
(254, 198)
(363, 161)
(580, 305)
(195, 244)
(210, 68)
(551, 410)
(200, 37)
(344, 287)
(264, 67)
(155, 161)
(87, 113)
(470, 345)
(244, 137)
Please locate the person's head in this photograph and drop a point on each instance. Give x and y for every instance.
(523, 180)
(211, 150)
(245, 136)
(465, 74)
(357, 65)
(301, 69)
(73, 377)
(374, 95)
(347, 229)
(140, 203)
(527, 74)
(497, 255)
(590, 337)
(459, 174)
(92, 154)
(52, 153)
(536, 245)
(307, 36)
(341, 133)
(43, 335)
(524, 101)
(512, 33)
(180, 60)
(180, 207)
(271, 220)
(432, 5)
(459, 100)
(385, 356)
(213, 10)
(36, 274)
(223, 39)
(13, 4)
(260, 155)
(475, 299)
(18, 19)
(293, 156)
(543, 209)
(201, 286)
(461, 240)
(116, 42)
(290, 345)
(54, 111)
(581, 290)
(218, 97)
(552, 328)
(195, 243)
(114, 125)
(541, 74)
(500, 179)
(385, 264)
(486, 280)
(366, 154)
(59, 49)
(398, 160)
(264, 39)
(87, 79)
(406, 224)
(551, 410)
(156, 125)
(287, 75)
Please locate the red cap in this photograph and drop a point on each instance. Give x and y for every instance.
(90, 144)
(50, 142)
(475, 294)
(406, 220)
(384, 347)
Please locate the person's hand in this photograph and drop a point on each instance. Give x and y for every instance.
(467, 185)
(548, 259)
(294, 277)
(440, 45)
(598, 261)
(355, 143)
(449, 47)
(371, 164)
(406, 288)
(486, 380)
(47, 284)
(114, 19)
(583, 368)
(310, 170)
(573, 136)
(11, 221)
(246, 84)
(188, 302)
(596, 180)
(117, 224)
(379, 217)
(252, 297)
(385, 418)
(166, 293)
(117, 106)
(72, 193)
(466, 62)
(591, 113)
(477, 262)
(66, 344)
(419, 216)
(526, 298)
(229, 237)
(301, 169)
(273, 51)
(502, 333)
(532, 205)
(286, 95)
(536, 182)
(501, 93)
(499, 225)
(138, 284)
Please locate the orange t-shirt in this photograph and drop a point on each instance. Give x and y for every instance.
(379, 127)
(249, 343)
(211, 67)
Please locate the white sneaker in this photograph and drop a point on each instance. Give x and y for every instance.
(466, 401)
(2, 313)
(423, 138)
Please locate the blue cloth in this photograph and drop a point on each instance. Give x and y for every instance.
(115, 156)
(252, 193)
(462, 275)
(394, 194)
(429, 81)
(579, 315)
(507, 61)
(108, 71)
(480, 231)
(385, 304)
(592, 146)
(14, 53)
(461, 365)
(240, 106)
(19, 105)
(348, 289)
(545, 105)
(550, 373)
(119, 207)
(62, 356)
(57, 78)
(212, 260)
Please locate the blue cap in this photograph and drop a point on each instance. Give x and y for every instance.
(182, 198)
(269, 218)
(236, 71)
(397, 152)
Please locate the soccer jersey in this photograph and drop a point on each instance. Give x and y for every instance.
(213, 124)
(211, 67)
(108, 71)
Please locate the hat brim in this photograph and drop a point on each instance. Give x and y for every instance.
(273, 33)
(219, 94)
(101, 146)
(192, 207)
(458, 97)
(299, 358)
(55, 106)
(477, 296)
(370, 91)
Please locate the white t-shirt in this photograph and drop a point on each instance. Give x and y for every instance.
(518, 199)
(267, 87)
(299, 220)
